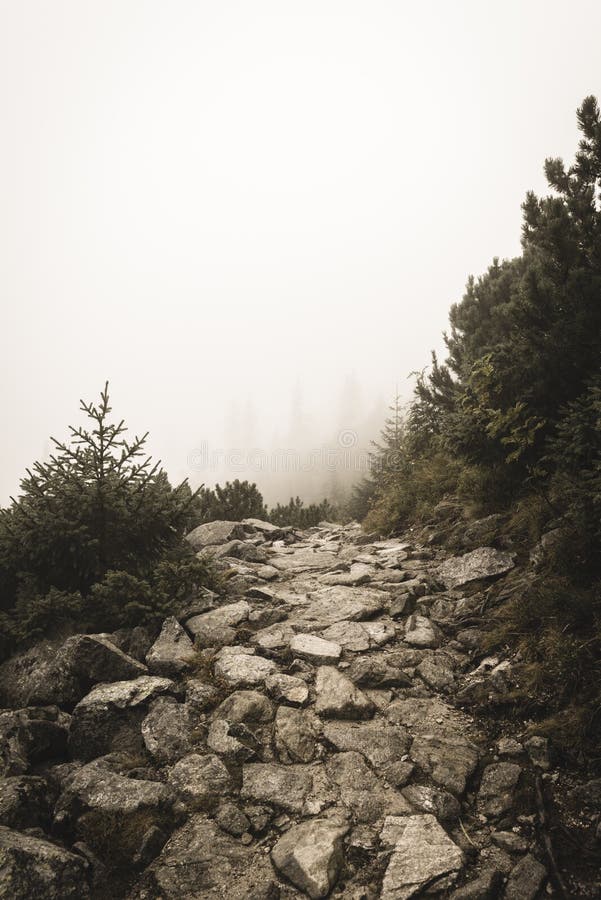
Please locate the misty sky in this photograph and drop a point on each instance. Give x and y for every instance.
(229, 208)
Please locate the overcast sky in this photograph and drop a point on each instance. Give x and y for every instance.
(223, 206)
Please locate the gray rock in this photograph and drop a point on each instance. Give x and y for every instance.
(421, 632)
(484, 887)
(200, 861)
(338, 698)
(274, 637)
(29, 736)
(287, 689)
(200, 696)
(315, 649)
(311, 856)
(112, 812)
(537, 748)
(423, 857)
(245, 706)
(223, 617)
(509, 747)
(48, 675)
(440, 747)
(357, 575)
(287, 787)
(239, 670)
(486, 562)
(360, 636)
(336, 604)
(380, 743)
(437, 672)
(109, 716)
(361, 791)
(433, 800)
(231, 819)
(508, 840)
(303, 559)
(200, 780)
(377, 672)
(497, 788)
(295, 735)
(213, 533)
(447, 756)
(25, 801)
(167, 729)
(267, 529)
(222, 739)
(30, 867)
(171, 653)
(526, 879)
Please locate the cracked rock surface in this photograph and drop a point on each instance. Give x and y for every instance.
(311, 732)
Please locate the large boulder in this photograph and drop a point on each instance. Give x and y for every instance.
(25, 801)
(204, 626)
(167, 729)
(497, 788)
(361, 791)
(212, 533)
(200, 861)
(424, 858)
(30, 867)
(113, 813)
(63, 675)
(287, 787)
(380, 743)
(29, 736)
(110, 716)
(171, 653)
(200, 780)
(295, 734)
(338, 698)
(311, 855)
(243, 670)
(486, 562)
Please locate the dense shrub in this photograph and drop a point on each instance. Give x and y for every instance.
(300, 516)
(235, 500)
(511, 421)
(95, 536)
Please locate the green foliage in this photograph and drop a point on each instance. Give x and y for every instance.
(295, 513)
(95, 537)
(235, 501)
(512, 420)
(98, 504)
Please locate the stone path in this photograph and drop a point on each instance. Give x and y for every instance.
(314, 740)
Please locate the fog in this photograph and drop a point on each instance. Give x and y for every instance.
(252, 217)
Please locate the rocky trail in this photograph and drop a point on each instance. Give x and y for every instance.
(309, 732)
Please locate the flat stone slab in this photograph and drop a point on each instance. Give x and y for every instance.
(422, 632)
(304, 560)
(357, 637)
(287, 689)
(240, 670)
(200, 860)
(311, 856)
(290, 787)
(230, 615)
(338, 698)
(315, 649)
(171, 653)
(379, 742)
(212, 533)
(485, 562)
(361, 791)
(335, 604)
(423, 856)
